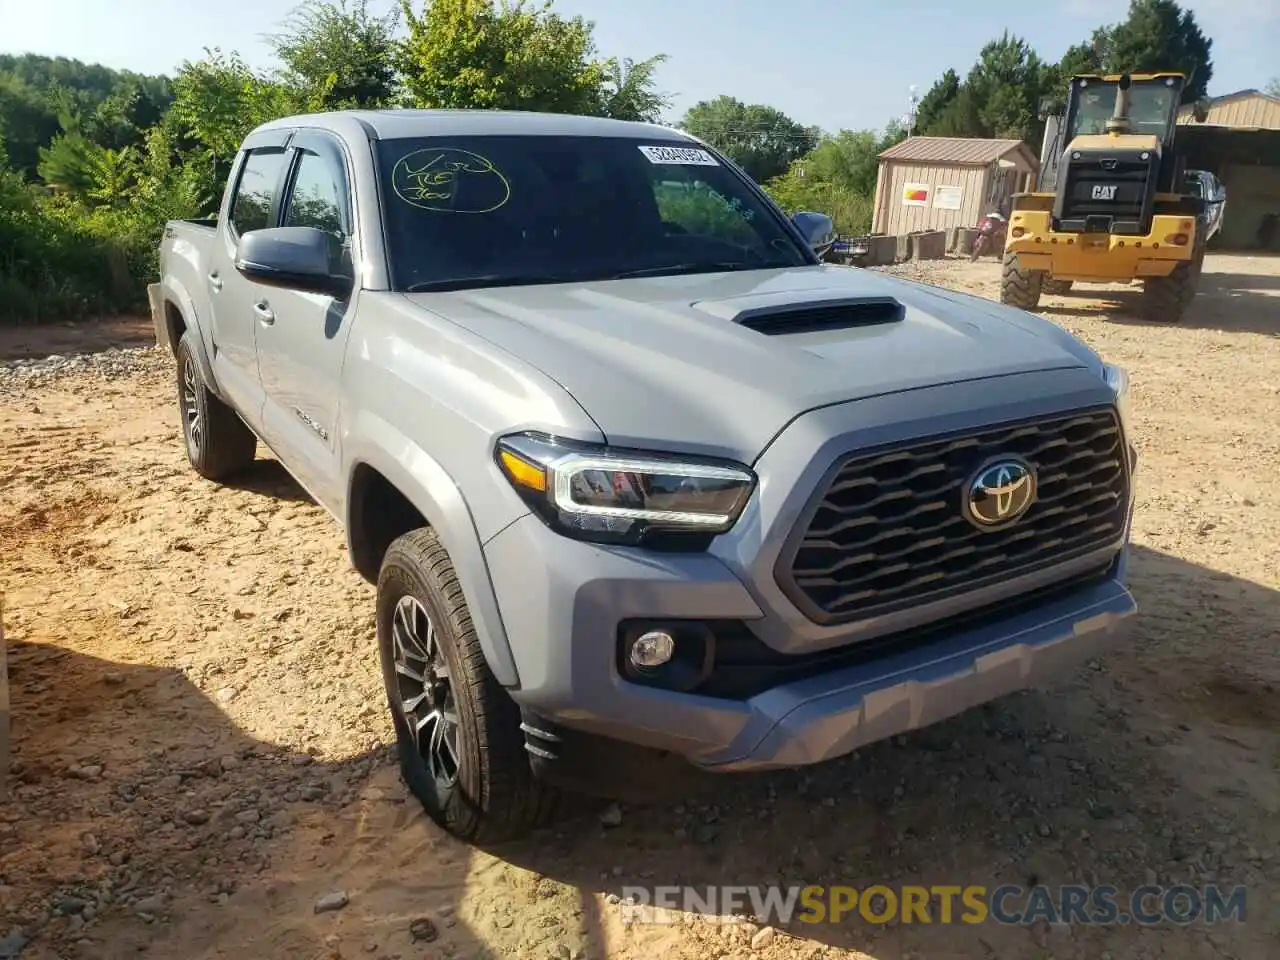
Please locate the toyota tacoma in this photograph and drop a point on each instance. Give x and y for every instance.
(645, 487)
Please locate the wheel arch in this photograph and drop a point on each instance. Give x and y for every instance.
(180, 315)
(388, 494)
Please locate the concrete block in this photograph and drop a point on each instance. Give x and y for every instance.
(929, 245)
(905, 246)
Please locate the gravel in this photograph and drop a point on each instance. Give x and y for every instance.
(22, 376)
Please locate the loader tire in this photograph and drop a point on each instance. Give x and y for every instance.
(1055, 288)
(1020, 288)
(1165, 299)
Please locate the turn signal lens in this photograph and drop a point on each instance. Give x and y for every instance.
(1177, 239)
(1018, 232)
(523, 473)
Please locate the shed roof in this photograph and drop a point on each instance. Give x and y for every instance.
(1244, 108)
(961, 151)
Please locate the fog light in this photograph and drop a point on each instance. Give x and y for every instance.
(652, 649)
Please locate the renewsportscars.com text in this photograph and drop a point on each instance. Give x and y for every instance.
(942, 904)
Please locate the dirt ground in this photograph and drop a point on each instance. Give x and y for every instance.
(201, 747)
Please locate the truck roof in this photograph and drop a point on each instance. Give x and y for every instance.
(397, 124)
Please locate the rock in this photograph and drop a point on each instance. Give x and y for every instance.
(69, 905)
(332, 901)
(90, 771)
(152, 906)
(763, 938)
(227, 694)
(248, 816)
(196, 817)
(423, 929)
(611, 816)
(11, 945)
(229, 762)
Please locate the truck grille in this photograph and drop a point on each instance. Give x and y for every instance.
(888, 531)
(1118, 193)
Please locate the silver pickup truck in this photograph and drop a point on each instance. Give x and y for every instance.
(645, 487)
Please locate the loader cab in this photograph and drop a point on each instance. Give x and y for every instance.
(1120, 152)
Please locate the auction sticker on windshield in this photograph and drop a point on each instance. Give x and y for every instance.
(686, 155)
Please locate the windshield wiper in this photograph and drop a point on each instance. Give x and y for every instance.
(483, 280)
(701, 266)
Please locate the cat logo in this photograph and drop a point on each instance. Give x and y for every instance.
(1104, 191)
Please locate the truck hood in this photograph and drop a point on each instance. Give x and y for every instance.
(659, 362)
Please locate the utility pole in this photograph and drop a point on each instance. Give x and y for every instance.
(912, 100)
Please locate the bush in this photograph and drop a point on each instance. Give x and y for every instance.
(60, 262)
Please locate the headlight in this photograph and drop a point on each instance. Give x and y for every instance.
(605, 495)
(1118, 380)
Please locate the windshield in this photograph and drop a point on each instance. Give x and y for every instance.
(1150, 108)
(488, 211)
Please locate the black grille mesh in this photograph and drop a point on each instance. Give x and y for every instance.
(889, 531)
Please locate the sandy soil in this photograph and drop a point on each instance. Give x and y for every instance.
(202, 763)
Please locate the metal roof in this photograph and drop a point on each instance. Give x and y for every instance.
(1244, 108)
(961, 151)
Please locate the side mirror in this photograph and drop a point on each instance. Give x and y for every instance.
(1200, 110)
(295, 258)
(817, 229)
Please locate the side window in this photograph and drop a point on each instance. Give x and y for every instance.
(694, 207)
(319, 197)
(259, 181)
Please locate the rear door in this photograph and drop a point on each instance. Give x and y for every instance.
(302, 336)
(252, 204)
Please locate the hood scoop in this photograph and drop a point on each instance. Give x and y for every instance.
(823, 316)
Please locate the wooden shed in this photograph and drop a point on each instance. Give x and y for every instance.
(933, 183)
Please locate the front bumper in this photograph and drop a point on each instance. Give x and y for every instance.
(564, 603)
(562, 618)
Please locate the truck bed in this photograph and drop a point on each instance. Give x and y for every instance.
(184, 254)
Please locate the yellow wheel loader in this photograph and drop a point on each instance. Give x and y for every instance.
(1118, 211)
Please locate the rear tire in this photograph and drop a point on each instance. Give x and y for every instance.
(1055, 288)
(218, 442)
(467, 766)
(1020, 288)
(1165, 299)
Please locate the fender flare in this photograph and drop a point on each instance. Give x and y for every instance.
(173, 292)
(430, 488)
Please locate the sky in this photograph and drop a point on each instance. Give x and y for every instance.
(849, 64)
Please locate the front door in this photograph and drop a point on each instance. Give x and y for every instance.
(302, 336)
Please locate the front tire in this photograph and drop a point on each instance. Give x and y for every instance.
(1018, 287)
(218, 442)
(457, 730)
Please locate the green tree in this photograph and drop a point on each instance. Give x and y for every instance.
(1273, 87)
(935, 102)
(628, 91)
(1159, 35)
(219, 99)
(760, 139)
(339, 52)
(473, 54)
(27, 122)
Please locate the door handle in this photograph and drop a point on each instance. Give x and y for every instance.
(215, 281)
(264, 313)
